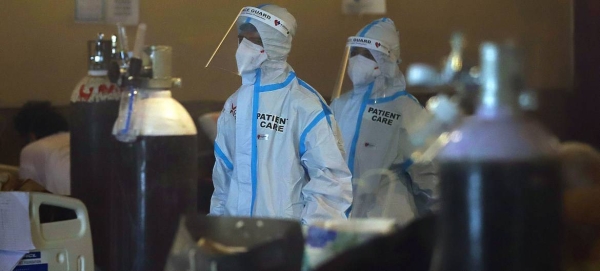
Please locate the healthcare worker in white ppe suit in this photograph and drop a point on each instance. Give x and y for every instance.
(276, 152)
(374, 117)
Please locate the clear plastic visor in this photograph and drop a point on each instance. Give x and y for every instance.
(356, 46)
(243, 26)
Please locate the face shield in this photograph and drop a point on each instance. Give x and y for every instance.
(243, 32)
(359, 66)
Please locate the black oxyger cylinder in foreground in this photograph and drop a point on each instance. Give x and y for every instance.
(156, 184)
(500, 181)
(92, 151)
(93, 111)
(156, 170)
(500, 215)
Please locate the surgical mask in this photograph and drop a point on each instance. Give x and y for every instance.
(362, 71)
(249, 56)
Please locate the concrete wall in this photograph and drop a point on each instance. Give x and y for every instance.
(43, 51)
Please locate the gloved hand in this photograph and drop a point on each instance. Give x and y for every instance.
(443, 108)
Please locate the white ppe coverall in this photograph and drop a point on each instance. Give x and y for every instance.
(276, 152)
(373, 119)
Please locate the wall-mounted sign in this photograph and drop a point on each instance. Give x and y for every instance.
(89, 11)
(126, 12)
(374, 7)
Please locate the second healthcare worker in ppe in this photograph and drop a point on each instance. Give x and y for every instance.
(373, 118)
(276, 153)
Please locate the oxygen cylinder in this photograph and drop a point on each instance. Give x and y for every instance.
(500, 187)
(157, 169)
(94, 108)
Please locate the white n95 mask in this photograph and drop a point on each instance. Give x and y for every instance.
(362, 71)
(249, 56)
